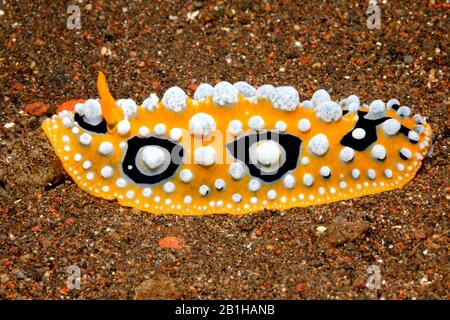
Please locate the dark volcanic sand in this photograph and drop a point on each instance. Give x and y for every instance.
(47, 223)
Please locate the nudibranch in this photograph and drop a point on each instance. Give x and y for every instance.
(236, 149)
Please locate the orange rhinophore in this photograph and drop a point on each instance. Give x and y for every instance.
(236, 149)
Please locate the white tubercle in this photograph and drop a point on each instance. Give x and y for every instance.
(391, 103)
(353, 99)
(205, 156)
(391, 127)
(289, 181)
(256, 123)
(202, 125)
(353, 107)
(85, 139)
(151, 102)
(153, 157)
(169, 187)
(160, 129)
(318, 145)
(285, 98)
(107, 172)
(268, 153)
(308, 179)
(378, 152)
(106, 148)
(92, 112)
(123, 127)
(175, 99)
(406, 153)
(328, 111)
(304, 125)
(347, 154)
(404, 112)
(325, 171)
(176, 134)
(376, 110)
(225, 94)
(144, 132)
(307, 104)
(359, 133)
(186, 175)
(254, 185)
(204, 190)
(319, 97)
(281, 126)
(204, 91)
(245, 89)
(219, 184)
(264, 91)
(236, 171)
(129, 108)
(235, 127)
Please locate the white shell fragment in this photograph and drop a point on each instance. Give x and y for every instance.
(285, 98)
(202, 125)
(328, 111)
(245, 89)
(175, 99)
(153, 157)
(318, 145)
(204, 91)
(225, 94)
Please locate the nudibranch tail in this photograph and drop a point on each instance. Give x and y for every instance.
(236, 149)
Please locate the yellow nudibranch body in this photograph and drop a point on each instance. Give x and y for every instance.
(236, 149)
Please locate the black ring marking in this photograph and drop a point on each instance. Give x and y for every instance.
(370, 127)
(240, 150)
(130, 168)
(99, 128)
